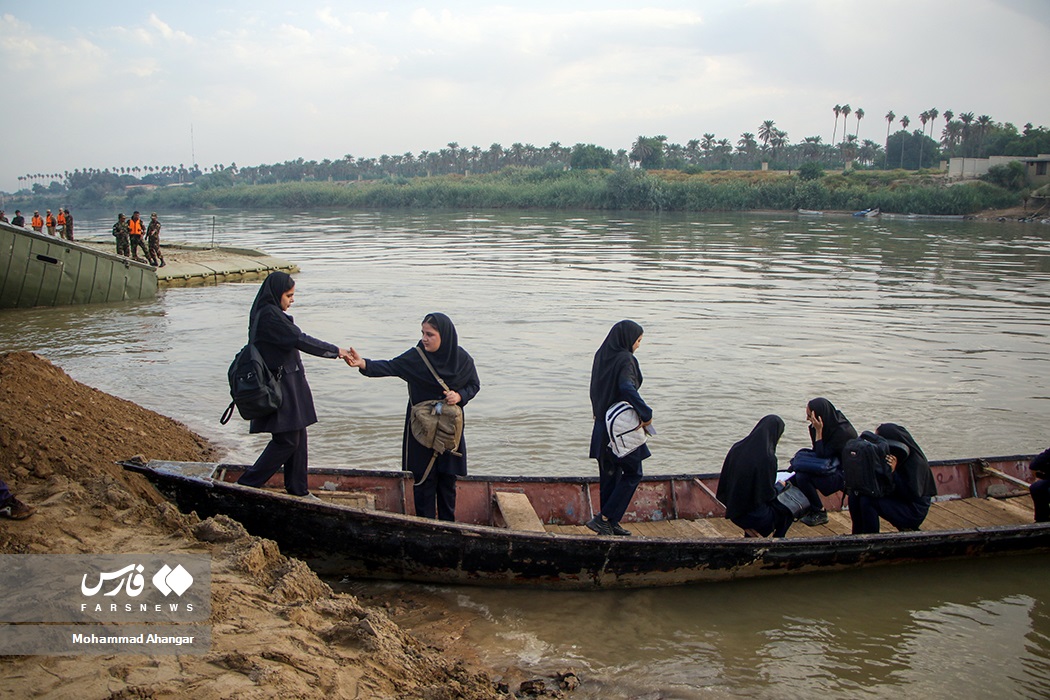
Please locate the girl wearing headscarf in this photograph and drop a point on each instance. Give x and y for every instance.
(456, 367)
(747, 485)
(913, 486)
(829, 431)
(279, 341)
(616, 376)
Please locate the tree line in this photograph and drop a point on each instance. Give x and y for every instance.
(966, 135)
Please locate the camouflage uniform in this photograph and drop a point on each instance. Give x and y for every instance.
(122, 233)
(153, 238)
(136, 240)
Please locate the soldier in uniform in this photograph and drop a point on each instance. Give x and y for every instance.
(121, 233)
(49, 220)
(153, 239)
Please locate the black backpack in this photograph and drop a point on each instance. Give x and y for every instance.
(256, 391)
(865, 467)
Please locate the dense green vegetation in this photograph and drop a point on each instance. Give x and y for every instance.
(765, 171)
(608, 189)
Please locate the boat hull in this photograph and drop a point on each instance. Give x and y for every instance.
(364, 543)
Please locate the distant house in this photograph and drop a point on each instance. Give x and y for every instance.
(1037, 169)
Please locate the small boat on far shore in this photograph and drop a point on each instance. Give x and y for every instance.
(515, 531)
(867, 212)
(810, 212)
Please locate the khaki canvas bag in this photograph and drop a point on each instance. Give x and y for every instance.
(436, 424)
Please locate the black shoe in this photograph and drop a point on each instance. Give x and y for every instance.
(620, 531)
(814, 518)
(600, 525)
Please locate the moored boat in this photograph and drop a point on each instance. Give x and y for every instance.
(530, 530)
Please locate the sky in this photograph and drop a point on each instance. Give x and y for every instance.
(117, 83)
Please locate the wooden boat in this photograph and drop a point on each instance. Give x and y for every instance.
(41, 270)
(530, 530)
(867, 212)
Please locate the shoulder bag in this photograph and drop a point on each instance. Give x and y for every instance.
(436, 424)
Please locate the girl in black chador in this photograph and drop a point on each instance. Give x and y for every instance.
(279, 342)
(747, 485)
(913, 486)
(615, 377)
(829, 431)
(436, 493)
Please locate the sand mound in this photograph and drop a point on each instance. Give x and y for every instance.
(277, 630)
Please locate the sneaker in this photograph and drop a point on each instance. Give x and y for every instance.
(600, 525)
(14, 509)
(620, 531)
(310, 497)
(814, 518)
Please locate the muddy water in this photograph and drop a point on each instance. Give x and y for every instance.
(940, 326)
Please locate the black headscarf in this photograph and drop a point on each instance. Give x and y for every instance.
(451, 362)
(274, 326)
(613, 359)
(750, 469)
(837, 429)
(913, 473)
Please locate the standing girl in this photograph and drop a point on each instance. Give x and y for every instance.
(434, 493)
(616, 376)
(279, 341)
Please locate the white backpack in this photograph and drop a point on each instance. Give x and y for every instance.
(626, 433)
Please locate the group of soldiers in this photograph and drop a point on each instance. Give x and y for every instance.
(63, 223)
(132, 234)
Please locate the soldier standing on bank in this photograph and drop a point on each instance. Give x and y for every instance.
(153, 239)
(120, 232)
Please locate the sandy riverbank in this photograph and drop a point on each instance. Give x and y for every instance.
(277, 629)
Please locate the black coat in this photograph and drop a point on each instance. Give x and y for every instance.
(279, 342)
(456, 367)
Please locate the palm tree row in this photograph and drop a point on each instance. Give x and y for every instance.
(966, 135)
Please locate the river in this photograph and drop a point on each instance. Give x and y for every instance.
(938, 325)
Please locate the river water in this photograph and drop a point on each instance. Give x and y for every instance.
(938, 325)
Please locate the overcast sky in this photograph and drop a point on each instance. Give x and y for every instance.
(115, 83)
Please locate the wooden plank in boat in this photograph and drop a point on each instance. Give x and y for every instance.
(942, 517)
(517, 512)
(353, 499)
(984, 512)
(1014, 511)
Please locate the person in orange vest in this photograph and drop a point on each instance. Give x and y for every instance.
(61, 223)
(136, 230)
(49, 221)
(37, 223)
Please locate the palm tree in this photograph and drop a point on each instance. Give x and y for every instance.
(846, 111)
(811, 147)
(766, 132)
(838, 111)
(924, 117)
(984, 123)
(890, 116)
(859, 114)
(747, 144)
(966, 118)
(904, 125)
(933, 118)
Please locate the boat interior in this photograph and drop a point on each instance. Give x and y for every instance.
(974, 493)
